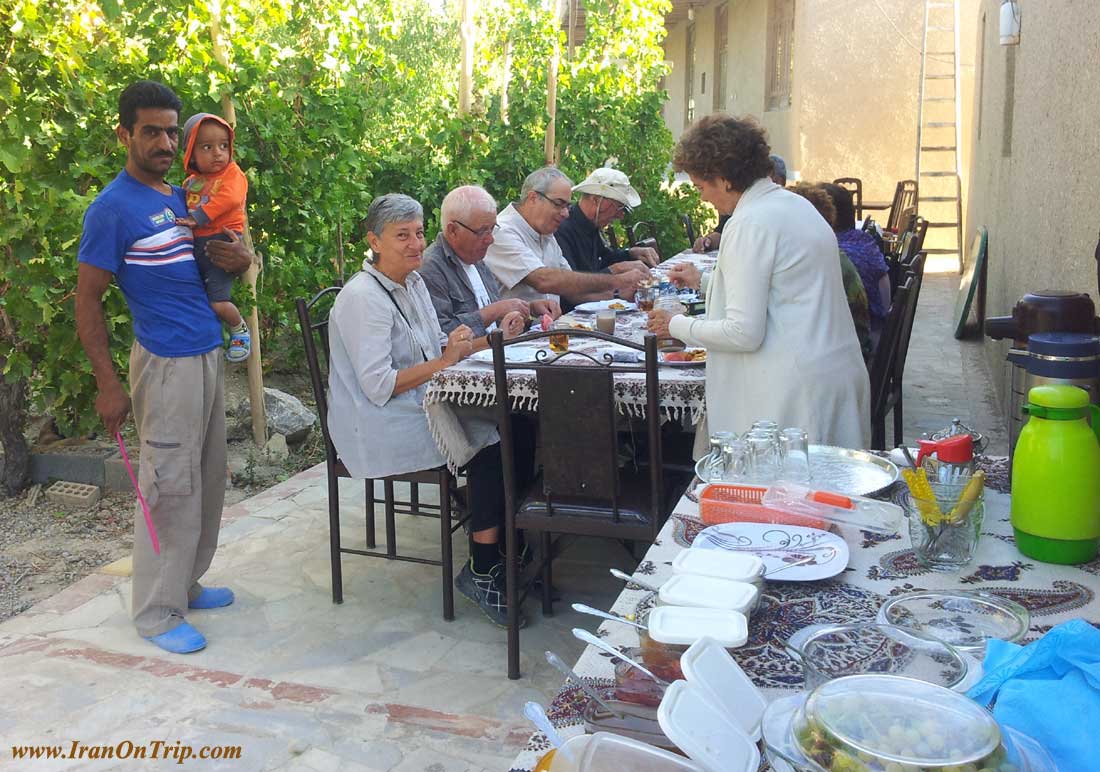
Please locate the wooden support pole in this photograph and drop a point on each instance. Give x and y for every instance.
(255, 371)
(466, 34)
(552, 104)
(505, 80)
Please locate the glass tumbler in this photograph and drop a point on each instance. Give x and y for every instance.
(794, 446)
(736, 461)
(559, 338)
(716, 462)
(945, 530)
(764, 455)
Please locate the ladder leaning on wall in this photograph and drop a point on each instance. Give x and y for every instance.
(939, 129)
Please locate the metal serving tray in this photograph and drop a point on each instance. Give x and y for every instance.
(842, 470)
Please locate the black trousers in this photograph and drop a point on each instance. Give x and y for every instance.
(485, 475)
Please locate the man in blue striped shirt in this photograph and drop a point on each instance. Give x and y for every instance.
(176, 371)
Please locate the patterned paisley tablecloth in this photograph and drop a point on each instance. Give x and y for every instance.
(880, 567)
(471, 382)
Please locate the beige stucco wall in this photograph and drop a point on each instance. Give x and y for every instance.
(855, 86)
(1039, 202)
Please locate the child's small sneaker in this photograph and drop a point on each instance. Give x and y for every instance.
(240, 345)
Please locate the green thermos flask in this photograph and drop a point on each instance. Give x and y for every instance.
(1056, 477)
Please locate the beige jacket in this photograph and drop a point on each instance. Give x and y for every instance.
(781, 342)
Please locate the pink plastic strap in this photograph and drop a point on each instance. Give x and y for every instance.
(141, 499)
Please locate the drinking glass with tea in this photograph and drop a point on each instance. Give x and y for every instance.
(646, 297)
(559, 337)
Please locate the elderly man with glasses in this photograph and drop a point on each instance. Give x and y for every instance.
(527, 260)
(462, 288)
(606, 196)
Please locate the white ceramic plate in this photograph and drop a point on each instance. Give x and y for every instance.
(606, 305)
(780, 545)
(518, 354)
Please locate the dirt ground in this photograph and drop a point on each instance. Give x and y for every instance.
(44, 547)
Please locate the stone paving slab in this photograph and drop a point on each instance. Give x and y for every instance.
(380, 682)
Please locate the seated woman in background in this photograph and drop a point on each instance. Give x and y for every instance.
(853, 285)
(781, 344)
(385, 347)
(864, 253)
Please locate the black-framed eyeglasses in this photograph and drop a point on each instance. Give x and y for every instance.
(557, 203)
(480, 232)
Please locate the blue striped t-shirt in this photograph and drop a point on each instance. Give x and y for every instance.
(130, 231)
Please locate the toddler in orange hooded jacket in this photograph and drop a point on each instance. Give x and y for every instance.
(216, 190)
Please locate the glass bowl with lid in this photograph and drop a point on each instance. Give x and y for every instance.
(884, 723)
(965, 619)
(833, 651)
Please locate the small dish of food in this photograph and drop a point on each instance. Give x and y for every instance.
(686, 358)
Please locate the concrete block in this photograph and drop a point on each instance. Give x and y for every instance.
(73, 495)
(65, 466)
(115, 476)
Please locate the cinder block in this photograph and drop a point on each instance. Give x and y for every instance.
(66, 466)
(115, 476)
(73, 495)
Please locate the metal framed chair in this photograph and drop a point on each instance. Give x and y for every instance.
(882, 364)
(315, 330)
(853, 185)
(905, 197)
(893, 399)
(904, 247)
(581, 490)
(689, 229)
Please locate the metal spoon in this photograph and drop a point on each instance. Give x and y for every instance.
(592, 640)
(568, 672)
(604, 615)
(537, 716)
(799, 562)
(628, 578)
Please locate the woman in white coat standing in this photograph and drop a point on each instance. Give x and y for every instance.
(780, 339)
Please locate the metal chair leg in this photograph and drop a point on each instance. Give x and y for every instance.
(899, 432)
(510, 582)
(447, 557)
(334, 535)
(371, 542)
(391, 523)
(547, 575)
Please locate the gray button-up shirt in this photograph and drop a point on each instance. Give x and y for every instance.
(455, 303)
(375, 432)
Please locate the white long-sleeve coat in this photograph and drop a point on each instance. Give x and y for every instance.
(780, 338)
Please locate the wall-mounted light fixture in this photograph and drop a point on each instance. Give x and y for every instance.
(1010, 23)
(691, 13)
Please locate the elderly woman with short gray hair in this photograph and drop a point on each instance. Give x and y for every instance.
(386, 344)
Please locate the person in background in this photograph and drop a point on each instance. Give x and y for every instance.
(606, 196)
(780, 340)
(853, 285)
(385, 345)
(177, 371)
(527, 260)
(462, 288)
(712, 240)
(779, 170)
(865, 256)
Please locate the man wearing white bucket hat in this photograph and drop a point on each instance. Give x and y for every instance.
(606, 196)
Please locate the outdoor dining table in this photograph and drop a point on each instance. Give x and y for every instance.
(470, 383)
(879, 567)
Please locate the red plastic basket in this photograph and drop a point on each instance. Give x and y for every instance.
(724, 503)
